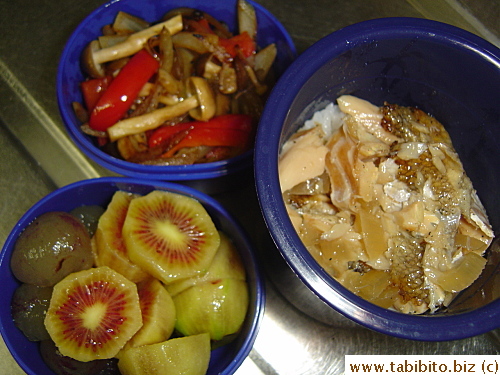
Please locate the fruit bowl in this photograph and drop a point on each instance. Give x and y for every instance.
(70, 75)
(445, 71)
(224, 359)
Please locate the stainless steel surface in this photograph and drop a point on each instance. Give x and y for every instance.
(37, 157)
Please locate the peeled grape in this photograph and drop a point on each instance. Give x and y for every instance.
(89, 215)
(63, 365)
(51, 247)
(29, 305)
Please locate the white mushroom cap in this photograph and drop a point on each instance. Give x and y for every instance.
(200, 88)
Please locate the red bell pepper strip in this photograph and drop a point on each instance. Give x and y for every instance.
(232, 130)
(243, 42)
(233, 121)
(92, 90)
(163, 134)
(228, 121)
(123, 90)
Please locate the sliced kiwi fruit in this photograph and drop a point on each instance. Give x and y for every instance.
(183, 355)
(218, 307)
(108, 241)
(171, 236)
(158, 314)
(93, 313)
(226, 264)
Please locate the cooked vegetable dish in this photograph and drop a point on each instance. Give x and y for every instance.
(184, 90)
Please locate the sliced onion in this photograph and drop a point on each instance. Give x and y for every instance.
(106, 41)
(247, 20)
(199, 43)
(126, 23)
(263, 61)
(166, 47)
(464, 273)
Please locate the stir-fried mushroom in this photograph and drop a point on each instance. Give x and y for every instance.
(200, 104)
(93, 56)
(203, 71)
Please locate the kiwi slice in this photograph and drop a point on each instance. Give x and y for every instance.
(93, 313)
(226, 264)
(218, 307)
(108, 241)
(158, 314)
(183, 355)
(171, 236)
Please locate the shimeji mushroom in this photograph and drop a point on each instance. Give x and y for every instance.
(93, 56)
(200, 105)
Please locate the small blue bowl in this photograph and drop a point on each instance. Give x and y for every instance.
(443, 70)
(70, 75)
(225, 360)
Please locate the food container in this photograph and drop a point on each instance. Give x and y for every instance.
(70, 75)
(225, 359)
(445, 71)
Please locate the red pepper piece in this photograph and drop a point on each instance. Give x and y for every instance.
(232, 130)
(243, 42)
(123, 90)
(228, 121)
(164, 133)
(93, 89)
(233, 121)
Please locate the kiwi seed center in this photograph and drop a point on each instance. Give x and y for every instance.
(170, 231)
(93, 316)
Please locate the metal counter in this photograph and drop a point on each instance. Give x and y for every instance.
(298, 337)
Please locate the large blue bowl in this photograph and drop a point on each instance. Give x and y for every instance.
(445, 71)
(225, 360)
(70, 75)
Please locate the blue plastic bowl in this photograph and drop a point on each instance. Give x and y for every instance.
(445, 71)
(70, 74)
(224, 360)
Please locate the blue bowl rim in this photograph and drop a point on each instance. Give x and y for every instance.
(415, 327)
(177, 172)
(206, 200)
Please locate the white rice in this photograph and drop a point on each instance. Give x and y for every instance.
(330, 119)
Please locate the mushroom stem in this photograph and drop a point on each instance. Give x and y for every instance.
(200, 104)
(135, 42)
(200, 88)
(151, 120)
